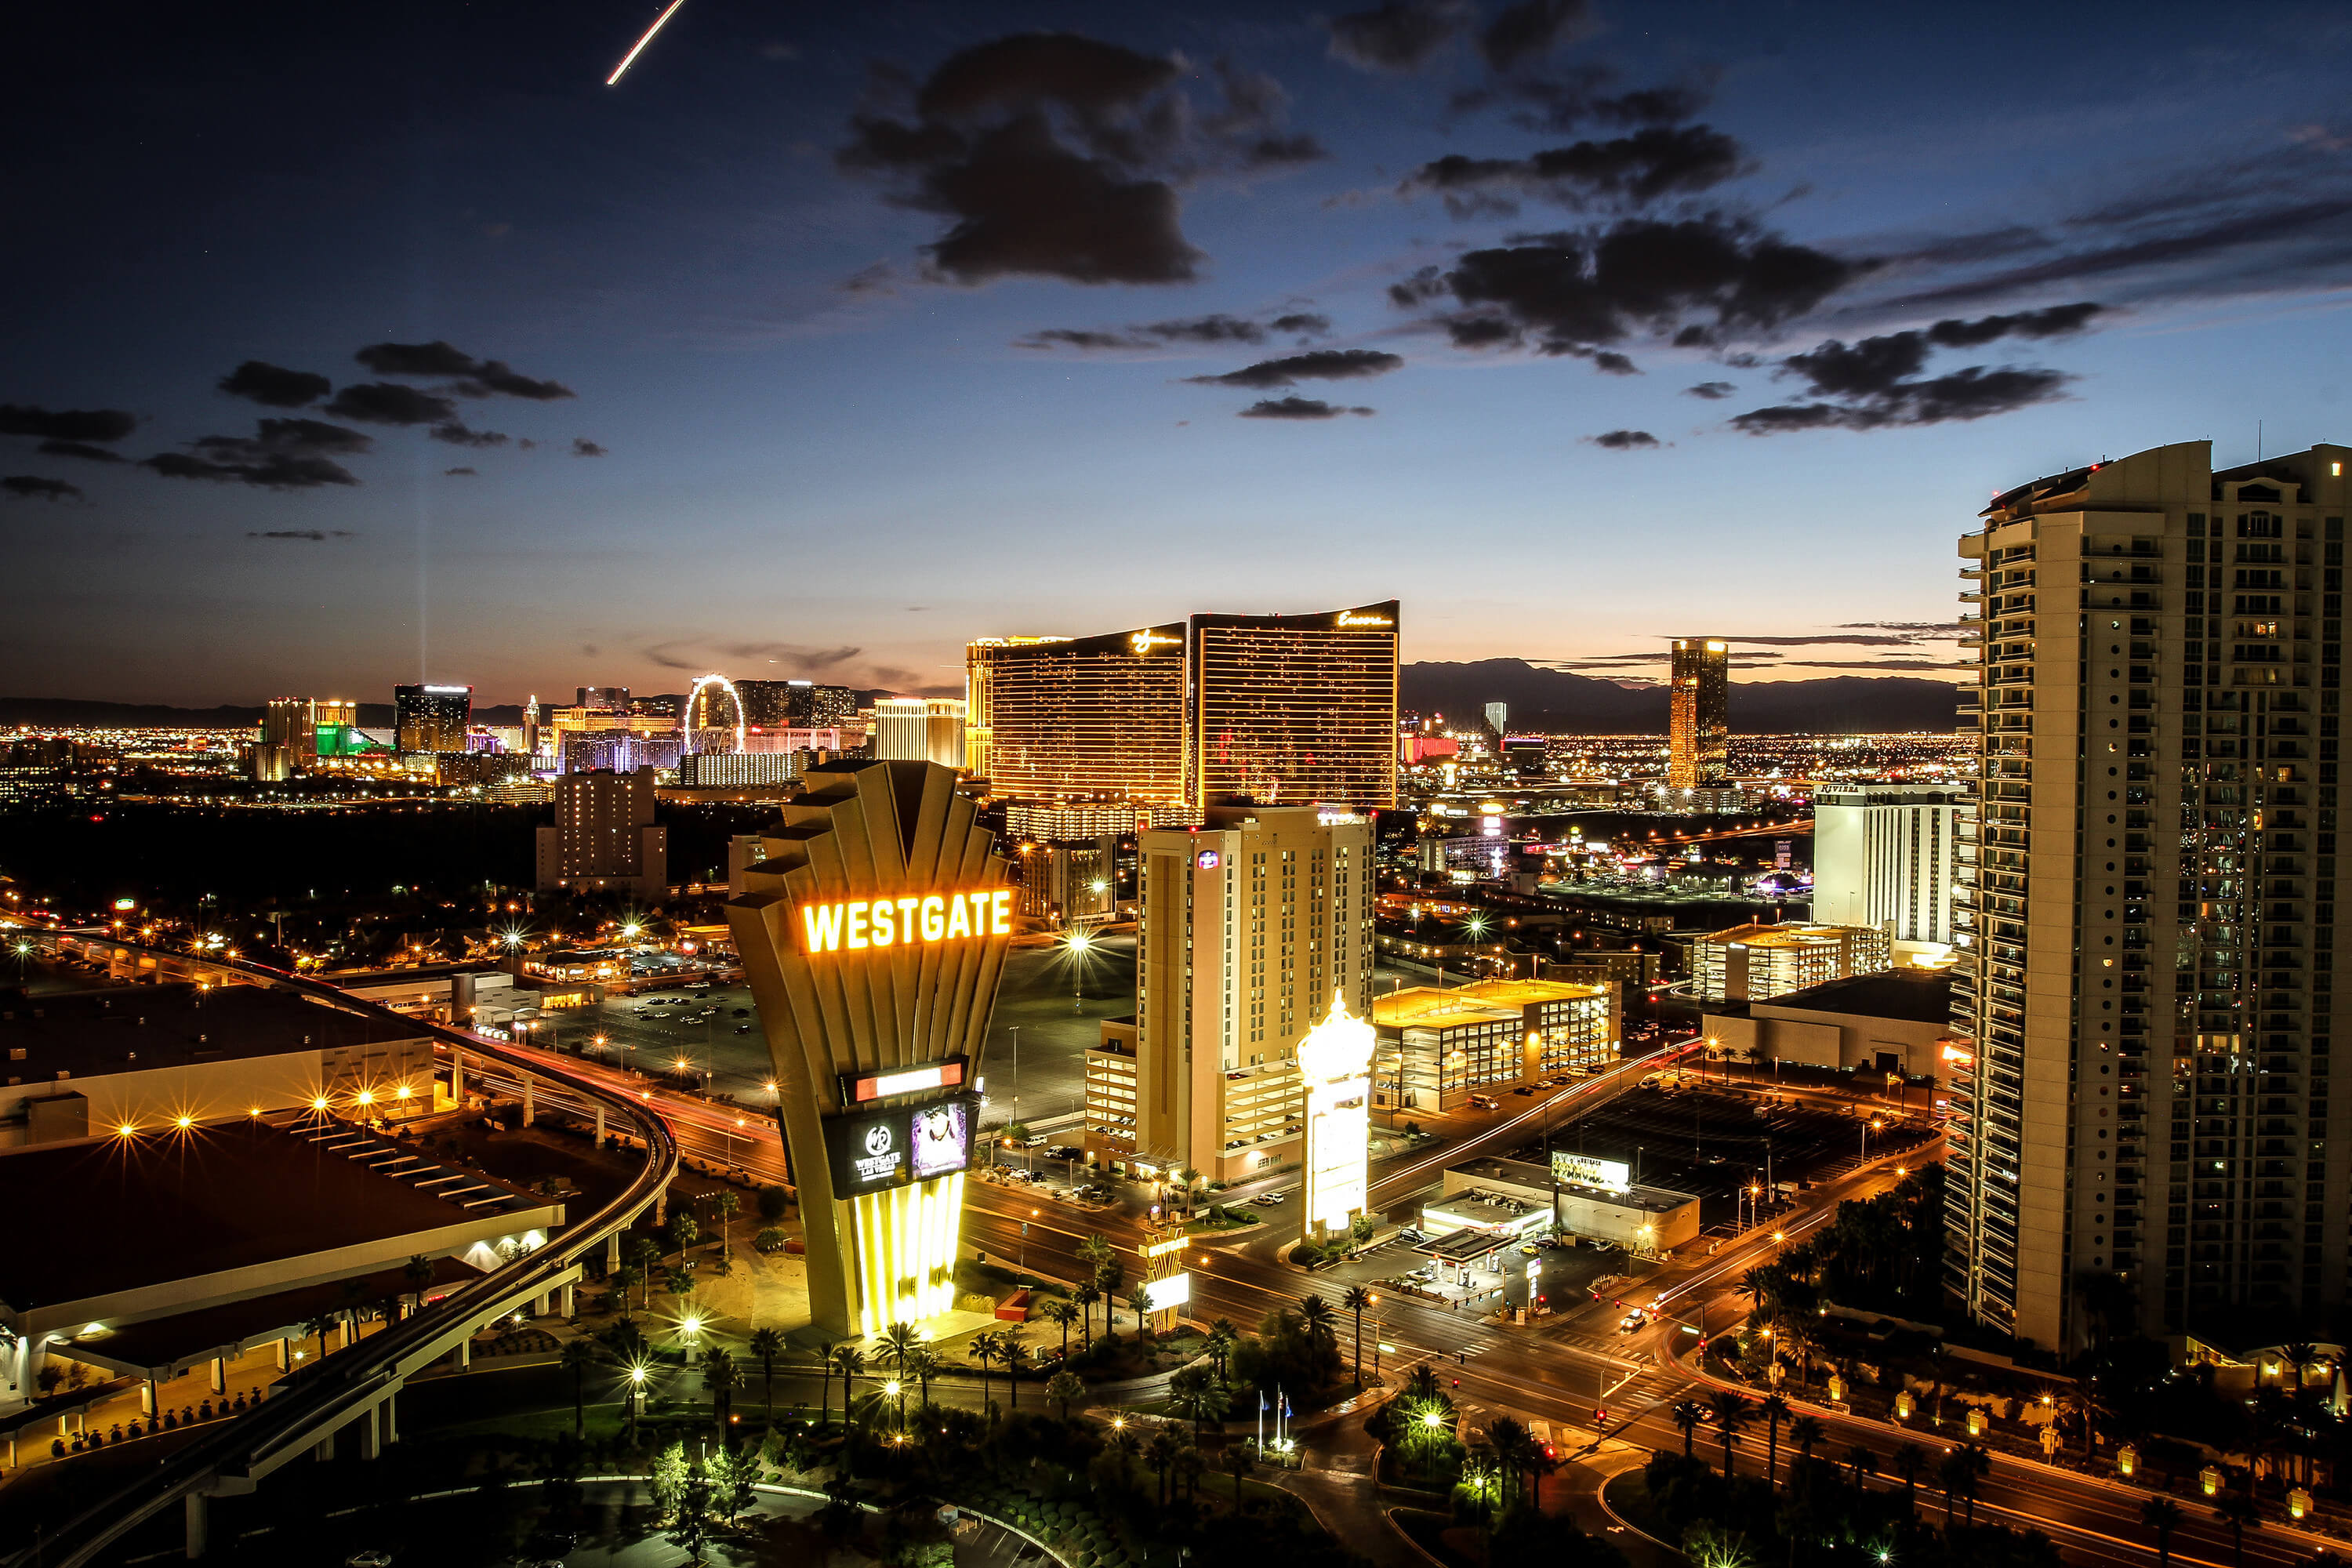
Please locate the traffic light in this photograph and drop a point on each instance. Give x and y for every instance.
(1599, 1420)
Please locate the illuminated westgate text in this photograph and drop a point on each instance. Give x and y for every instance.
(915, 919)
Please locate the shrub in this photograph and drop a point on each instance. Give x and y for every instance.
(769, 1240)
(774, 1203)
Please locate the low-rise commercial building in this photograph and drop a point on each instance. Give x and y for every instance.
(225, 1235)
(1754, 962)
(1512, 1199)
(1438, 1047)
(173, 1056)
(1897, 1021)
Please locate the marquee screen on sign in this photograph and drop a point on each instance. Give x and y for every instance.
(876, 1148)
(913, 919)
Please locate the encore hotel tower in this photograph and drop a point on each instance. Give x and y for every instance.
(2147, 1131)
(1276, 708)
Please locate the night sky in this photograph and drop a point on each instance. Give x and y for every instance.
(352, 345)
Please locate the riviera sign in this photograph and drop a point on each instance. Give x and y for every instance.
(910, 921)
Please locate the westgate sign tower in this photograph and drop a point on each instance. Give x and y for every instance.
(874, 935)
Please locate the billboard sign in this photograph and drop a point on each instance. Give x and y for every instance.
(868, 1150)
(1613, 1175)
(1162, 1295)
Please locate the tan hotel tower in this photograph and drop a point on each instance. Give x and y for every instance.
(1250, 925)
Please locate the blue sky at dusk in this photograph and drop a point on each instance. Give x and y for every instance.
(843, 335)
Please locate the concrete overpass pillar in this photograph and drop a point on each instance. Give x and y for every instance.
(600, 1125)
(612, 1252)
(199, 1520)
(458, 1076)
(371, 1433)
(464, 1352)
(325, 1450)
(529, 1112)
(285, 1354)
(147, 1397)
(661, 1205)
(220, 1374)
(392, 1417)
(568, 1301)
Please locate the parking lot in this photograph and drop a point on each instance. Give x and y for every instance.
(1711, 1142)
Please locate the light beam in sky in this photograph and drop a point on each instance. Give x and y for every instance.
(628, 59)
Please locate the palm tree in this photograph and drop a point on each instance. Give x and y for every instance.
(1238, 1462)
(1356, 1299)
(1198, 1396)
(1062, 1314)
(983, 1350)
(417, 1273)
(1015, 1355)
(1064, 1389)
(848, 1361)
(1086, 1295)
(625, 1279)
(1960, 1471)
(1776, 1410)
(1909, 1460)
(2239, 1511)
(1860, 1462)
(1096, 1252)
(318, 1327)
(724, 1206)
(720, 1376)
(1108, 1279)
(1730, 1412)
(1319, 1319)
(824, 1384)
(1127, 1445)
(2162, 1515)
(1160, 1453)
(1690, 1415)
(1223, 1338)
(1188, 1466)
(767, 1344)
(924, 1362)
(898, 1341)
(578, 1356)
(1804, 1432)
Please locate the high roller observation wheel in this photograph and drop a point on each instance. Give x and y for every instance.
(694, 695)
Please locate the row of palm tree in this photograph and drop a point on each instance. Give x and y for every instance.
(1732, 1414)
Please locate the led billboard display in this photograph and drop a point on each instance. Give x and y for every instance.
(874, 1149)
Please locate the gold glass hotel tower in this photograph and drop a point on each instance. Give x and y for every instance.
(2148, 1134)
(1058, 718)
(1698, 716)
(1294, 709)
(874, 935)
(1269, 708)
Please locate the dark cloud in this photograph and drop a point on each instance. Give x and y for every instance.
(1316, 364)
(288, 436)
(435, 358)
(66, 424)
(1572, 294)
(281, 454)
(465, 473)
(1917, 628)
(1585, 94)
(1908, 664)
(1401, 35)
(455, 433)
(1211, 328)
(1852, 639)
(1875, 382)
(583, 447)
(309, 535)
(1623, 440)
(274, 387)
(1611, 363)
(33, 487)
(1061, 156)
(1298, 408)
(1713, 391)
(1971, 394)
(1636, 169)
(82, 449)
(1528, 31)
(496, 378)
(475, 377)
(384, 402)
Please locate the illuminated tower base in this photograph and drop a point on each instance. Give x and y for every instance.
(901, 1252)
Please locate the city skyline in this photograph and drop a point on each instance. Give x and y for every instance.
(704, 297)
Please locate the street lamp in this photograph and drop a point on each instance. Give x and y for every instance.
(1079, 944)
